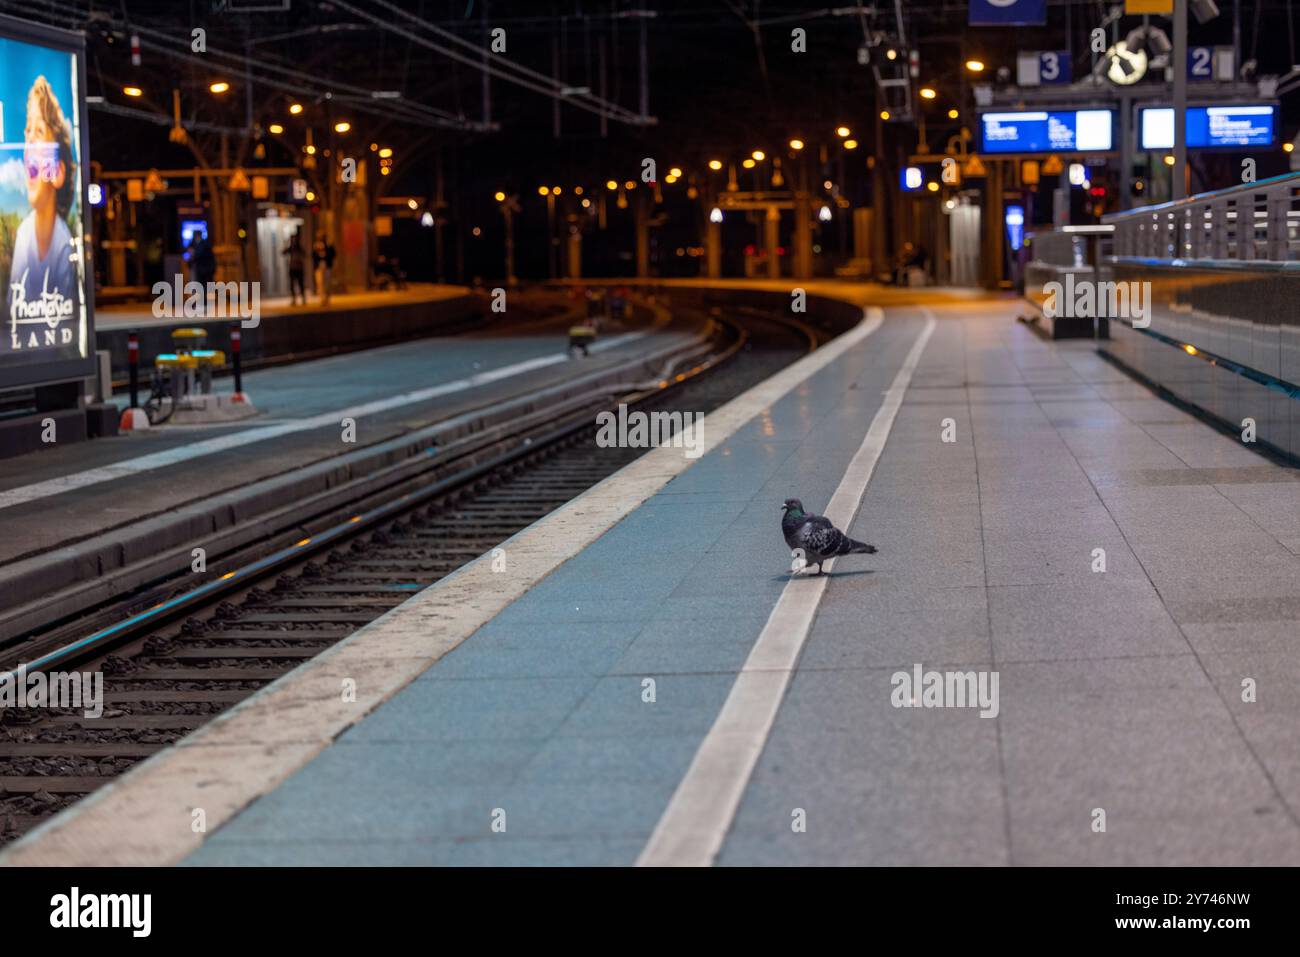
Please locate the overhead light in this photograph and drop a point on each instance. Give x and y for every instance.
(586, 203)
(975, 66)
(1288, 147)
(841, 131)
(578, 189)
(543, 191)
(342, 126)
(850, 144)
(932, 186)
(386, 152)
(611, 185)
(221, 86)
(796, 145)
(884, 114)
(715, 164)
(427, 219)
(630, 184)
(748, 164)
(715, 215)
(927, 93)
(891, 54)
(311, 197)
(499, 196)
(412, 204)
(276, 128)
(295, 108)
(758, 155)
(675, 172)
(1077, 173)
(1169, 159)
(132, 91)
(824, 214)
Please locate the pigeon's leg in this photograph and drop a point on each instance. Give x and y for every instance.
(819, 569)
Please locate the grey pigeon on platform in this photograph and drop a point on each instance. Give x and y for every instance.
(816, 536)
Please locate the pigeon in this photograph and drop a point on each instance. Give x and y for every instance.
(816, 536)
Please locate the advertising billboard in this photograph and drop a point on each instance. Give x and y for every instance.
(1209, 126)
(46, 300)
(1048, 131)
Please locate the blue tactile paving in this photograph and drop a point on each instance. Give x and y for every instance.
(542, 712)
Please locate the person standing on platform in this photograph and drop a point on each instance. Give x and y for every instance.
(204, 261)
(297, 263)
(322, 257)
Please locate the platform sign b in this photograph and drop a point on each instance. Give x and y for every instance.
(1005, 13)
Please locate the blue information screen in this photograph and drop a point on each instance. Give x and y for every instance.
(1210, 126)
(1047, 131)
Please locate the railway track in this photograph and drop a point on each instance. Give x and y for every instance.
(161, 683)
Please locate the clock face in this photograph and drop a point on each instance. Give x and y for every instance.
(1125, 66)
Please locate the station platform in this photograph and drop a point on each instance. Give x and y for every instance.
(649, 683)
(140, 315)
(281, 332)
(71, 505)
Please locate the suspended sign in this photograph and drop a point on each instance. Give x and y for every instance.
(1210, 63)
(1047, 131)
(1149, 6)
(1209, 126)
(1043, 67)
(46, 309)
(1006, 13)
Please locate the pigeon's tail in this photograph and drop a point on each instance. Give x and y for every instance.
(850, 547)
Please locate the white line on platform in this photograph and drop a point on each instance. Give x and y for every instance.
(144, 817)
(184, 453)
(701, 810)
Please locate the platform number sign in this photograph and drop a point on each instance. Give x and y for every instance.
(1054, 66)
(1200, 63)
(1039, 67)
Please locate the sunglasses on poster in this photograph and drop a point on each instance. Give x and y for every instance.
(41, 159)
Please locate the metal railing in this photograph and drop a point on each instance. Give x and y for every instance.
(1254, 222)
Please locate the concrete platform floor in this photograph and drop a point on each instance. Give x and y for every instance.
(1121, 690)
